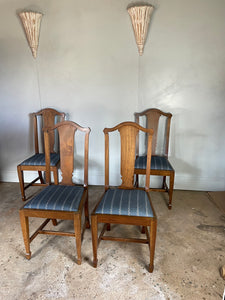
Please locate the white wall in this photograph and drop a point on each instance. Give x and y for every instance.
(88, 66)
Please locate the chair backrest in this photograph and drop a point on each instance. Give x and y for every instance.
(159, 121)
(128, 135)
(48, 118)
(66, 131)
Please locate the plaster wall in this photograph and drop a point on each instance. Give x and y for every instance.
(88, 66)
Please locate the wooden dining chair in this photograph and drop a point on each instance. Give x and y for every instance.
(159, 121)
(125, 204)
(44, 118)
(65, 201)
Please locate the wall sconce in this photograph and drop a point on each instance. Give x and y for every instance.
(140, 17)
(31, 22)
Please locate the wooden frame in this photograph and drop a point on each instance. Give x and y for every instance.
(152, 120)
(128, 133)
(48, 119)
(66, 131)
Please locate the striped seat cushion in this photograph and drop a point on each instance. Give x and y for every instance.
(39, 160)
(57, 197)
(157, 163)
(125, 203)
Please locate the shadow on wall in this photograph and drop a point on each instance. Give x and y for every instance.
(188, 153)
(188, 150)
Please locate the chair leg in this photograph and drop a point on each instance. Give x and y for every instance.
(21, 180)
(108, 228)
(153, 229)
(54, 222)
(55, 175)
(86, 211)
(136, 181)
(143, 229)
(77, 229)
(171, 189)
(25, 230)
(41, 177)
(164, 182)
(94, 229)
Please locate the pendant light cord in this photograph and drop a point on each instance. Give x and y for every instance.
(139, 83)
(38, 84)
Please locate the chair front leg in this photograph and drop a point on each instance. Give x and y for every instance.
(25, 230)
(94, 230)
(77, 229)
(21, 180)
(153, 230)
(171, 189)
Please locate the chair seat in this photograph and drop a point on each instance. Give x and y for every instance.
(157, 163)
(125, 202)
(57, 197)
(39, 160)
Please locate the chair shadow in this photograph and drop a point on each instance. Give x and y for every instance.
(133, 250)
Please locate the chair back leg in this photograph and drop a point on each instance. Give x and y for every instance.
(21, 181)
(86, 212)
(164, 182)
(41, 177)
(55, 174)
(54, 222)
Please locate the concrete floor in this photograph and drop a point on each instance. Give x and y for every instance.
(190, 249)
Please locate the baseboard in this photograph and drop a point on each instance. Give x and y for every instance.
(93, 178)
(187, 182)
(182, 182)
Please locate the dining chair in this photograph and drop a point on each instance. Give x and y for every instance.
(159, 121)
(125, 204)
(65, 201)
(46, 117)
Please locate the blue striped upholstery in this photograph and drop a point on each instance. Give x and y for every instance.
(39, 160)
(157, 163)
(125, 203)
(57, 197)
